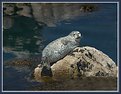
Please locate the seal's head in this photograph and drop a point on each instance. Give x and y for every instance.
(76, 35)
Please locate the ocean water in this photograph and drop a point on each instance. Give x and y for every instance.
(26, 38)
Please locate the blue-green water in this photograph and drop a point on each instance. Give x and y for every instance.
(25, 38)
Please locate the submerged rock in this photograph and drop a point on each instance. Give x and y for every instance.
(18, 63)
(83, 62)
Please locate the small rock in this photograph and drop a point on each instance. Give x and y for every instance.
(37, 72)
(8, 9)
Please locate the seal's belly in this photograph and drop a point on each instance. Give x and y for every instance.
(58, 53)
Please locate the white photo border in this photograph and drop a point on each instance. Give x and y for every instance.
(68, 2)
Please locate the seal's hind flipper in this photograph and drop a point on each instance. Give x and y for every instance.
(46, 72)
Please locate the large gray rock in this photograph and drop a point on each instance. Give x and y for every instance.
(82, 62)
(48, 13)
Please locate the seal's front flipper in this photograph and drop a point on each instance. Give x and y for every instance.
(46, 71)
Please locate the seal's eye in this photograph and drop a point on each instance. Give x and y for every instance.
(75, 35)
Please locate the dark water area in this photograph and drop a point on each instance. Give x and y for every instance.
(26, 38)
(99, 30)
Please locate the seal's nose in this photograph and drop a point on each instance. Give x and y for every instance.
(79, 35)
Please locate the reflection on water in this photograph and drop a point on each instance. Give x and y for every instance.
(24, 37)
(23, 23)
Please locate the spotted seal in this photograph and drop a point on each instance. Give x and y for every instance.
(59, 48)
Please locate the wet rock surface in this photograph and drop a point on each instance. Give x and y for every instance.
(82, 62)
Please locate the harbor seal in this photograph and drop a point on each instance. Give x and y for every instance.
(59, 48)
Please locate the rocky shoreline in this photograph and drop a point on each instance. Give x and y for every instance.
(44, 13)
